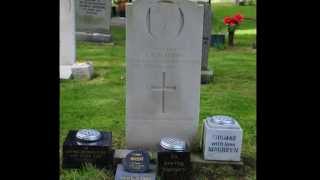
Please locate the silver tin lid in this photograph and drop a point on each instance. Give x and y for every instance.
(88, 135)
(221, 120)
(173, 144)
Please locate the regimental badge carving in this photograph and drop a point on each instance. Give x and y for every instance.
(164, 20)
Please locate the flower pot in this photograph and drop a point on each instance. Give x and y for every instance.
(217, 40)
(113, 11)
(231, 38)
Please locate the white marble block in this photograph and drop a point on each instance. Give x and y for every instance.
(82, 71)
(163, 57)
(222, 139)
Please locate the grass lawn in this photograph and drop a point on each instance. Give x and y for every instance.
(100, 103)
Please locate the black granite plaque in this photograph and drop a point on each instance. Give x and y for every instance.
(137, 162)
(98, 153)
(174, 164)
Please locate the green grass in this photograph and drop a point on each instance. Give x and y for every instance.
(100, 103)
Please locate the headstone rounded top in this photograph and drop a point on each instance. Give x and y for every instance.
(221, 120)
(173, 143)
(137, 161)
(88, 135)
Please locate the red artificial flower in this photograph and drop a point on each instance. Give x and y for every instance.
(227, 20)
(238, 18)
(232, 23)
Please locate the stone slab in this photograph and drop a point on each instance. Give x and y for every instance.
(121, 174)
(195, 158)
(198, 158)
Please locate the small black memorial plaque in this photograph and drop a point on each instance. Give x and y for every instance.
(173, 159)
(88, 146)
(137, 162)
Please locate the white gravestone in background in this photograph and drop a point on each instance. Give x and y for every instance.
(93, 19)
(163, 56)
(68, 66)
(67, 38)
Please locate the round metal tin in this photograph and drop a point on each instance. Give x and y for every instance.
(88, 135)
(221, 120)
(173, 144)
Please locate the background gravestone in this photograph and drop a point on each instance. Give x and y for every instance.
(163, 54)
(67, 38)
(93, 19)
(67, 60)
(206, 73)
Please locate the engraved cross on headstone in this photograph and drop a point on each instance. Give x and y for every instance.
(163, 89)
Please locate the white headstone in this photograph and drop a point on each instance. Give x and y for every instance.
(163, 54)
(67, 38)
(222, 139)
(68, 66)
(93, 19)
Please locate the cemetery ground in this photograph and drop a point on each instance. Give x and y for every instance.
(100, 102)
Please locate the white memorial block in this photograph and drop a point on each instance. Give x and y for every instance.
(222, 139)
(82, 71)
(163, 56)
